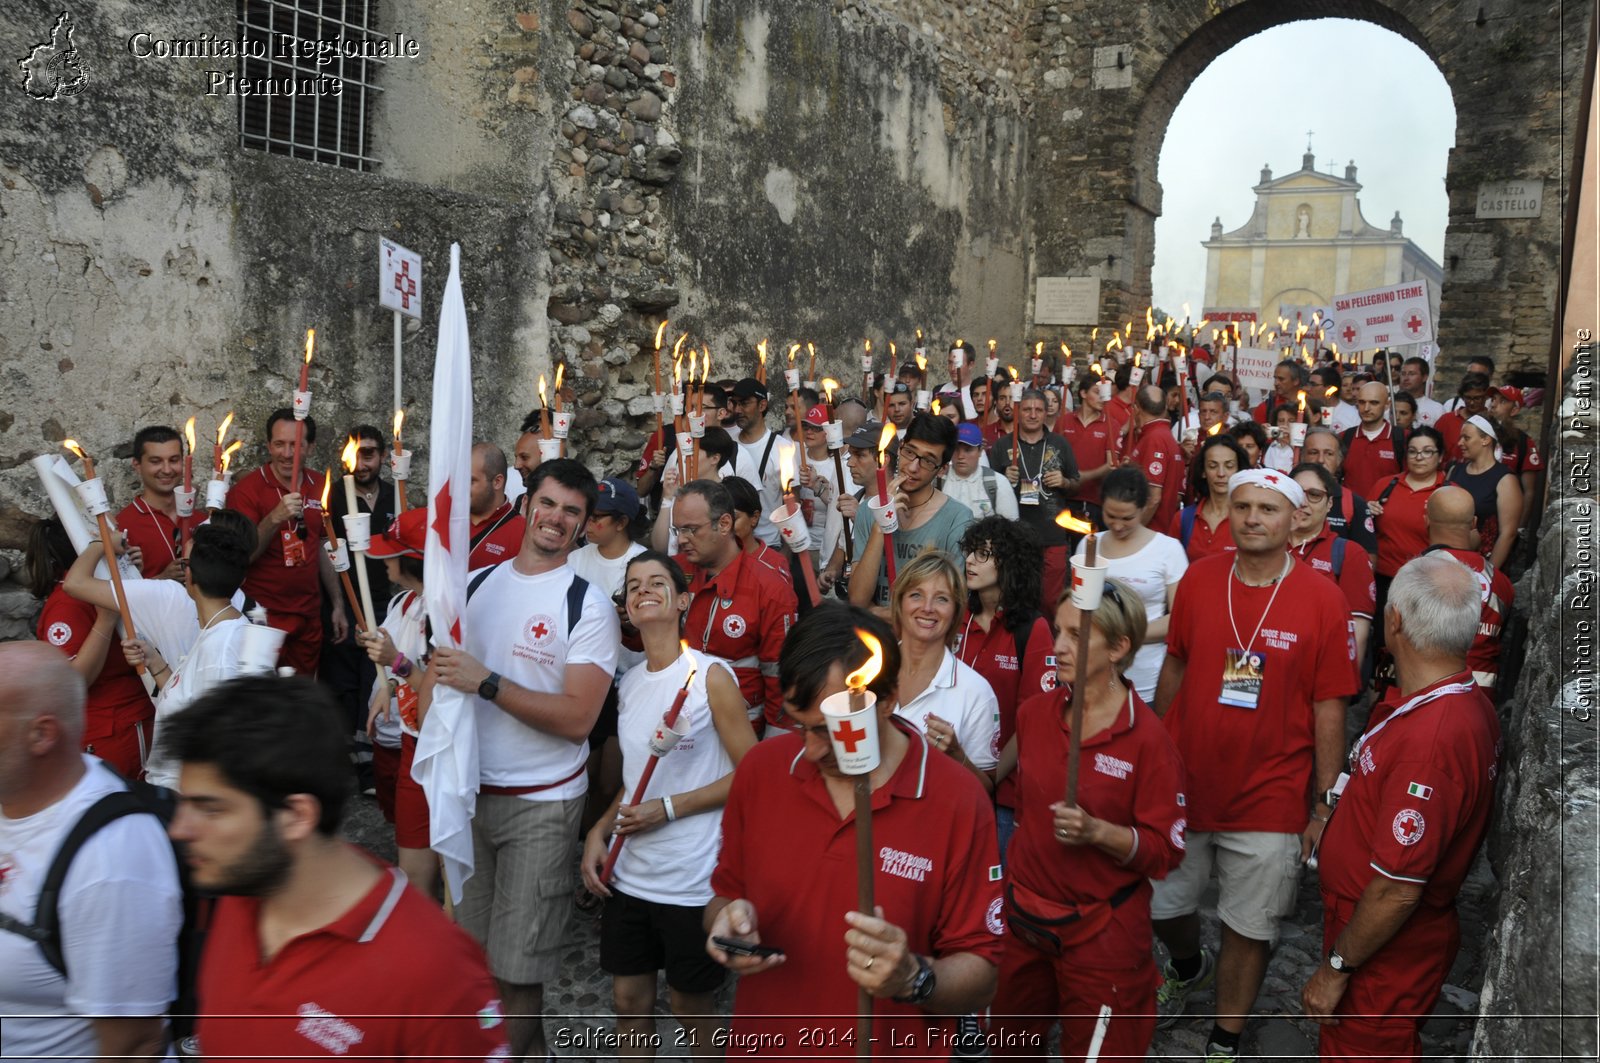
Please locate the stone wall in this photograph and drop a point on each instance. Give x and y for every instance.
(1541, 960)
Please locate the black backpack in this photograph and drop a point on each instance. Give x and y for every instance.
(140, 798)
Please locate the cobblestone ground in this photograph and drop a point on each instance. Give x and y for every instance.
(578, 1013)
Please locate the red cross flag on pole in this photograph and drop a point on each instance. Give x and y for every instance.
(446, 764)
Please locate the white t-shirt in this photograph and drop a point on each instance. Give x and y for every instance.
(1278, 456)
(971, 492)
(163, 614)
(1343, 416)
(1429, 411)
(965, 700)
(671, 864)
(769, 484)
(405, 619)
(120, 907)
(823, 496)
(517, 626)
(1149, 571)
(609, 575)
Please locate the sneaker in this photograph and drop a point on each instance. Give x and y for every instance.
(1173, 996)
(1216, 1053)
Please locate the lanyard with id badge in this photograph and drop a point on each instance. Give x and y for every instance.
(292, 536)
(1244, 670)
(1030, 491)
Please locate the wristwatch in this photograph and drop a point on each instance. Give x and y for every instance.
(1339, 963)
(490, 687)
(922, 983)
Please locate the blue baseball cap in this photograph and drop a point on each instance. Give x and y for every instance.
(617, 496)
(969, 434)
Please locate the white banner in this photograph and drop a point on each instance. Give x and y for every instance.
(1255, 366)
(1381, 317)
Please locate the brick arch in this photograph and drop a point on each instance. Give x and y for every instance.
(1095, 194)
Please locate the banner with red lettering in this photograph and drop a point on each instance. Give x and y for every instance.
(1381, 317)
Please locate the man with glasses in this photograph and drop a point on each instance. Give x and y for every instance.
(1044, 474)
(1372, 448)
(740, 609)
(1313, 540)
(1471, 400)
(927, 516)
(762, 454)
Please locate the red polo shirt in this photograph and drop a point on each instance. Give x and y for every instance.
(1250, 769)
(775, 560)
(1497, 593)
(1129, 776)
(1449, 426)
(1403, 526)
(294, 590)
(1092, 444)
(1418, 801)
(1119, 412)
(497, 537)
(993, 655)
(1158, 454)
(1369, 460)
(742, 615)
(1204, 540)
(786, 850)
(116, 699)
(392, 978)
(992, 432)
(1355, 573)
(153, 532)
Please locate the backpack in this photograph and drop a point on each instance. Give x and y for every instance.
(1347, 437)
(990, 489)
(575, 594)
(1336, 555)
(1186, 518)
(140, 798)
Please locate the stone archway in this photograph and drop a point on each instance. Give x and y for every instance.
(1095, 195)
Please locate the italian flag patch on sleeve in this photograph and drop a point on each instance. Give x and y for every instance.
(1416, 789)
(994, 873)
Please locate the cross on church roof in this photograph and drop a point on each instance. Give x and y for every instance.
(1308, 142)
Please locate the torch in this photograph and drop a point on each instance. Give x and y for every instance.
(761, 363)
(991, 365)
(665, 737)
(866, 374)
(835, 434)
(659, 399)
(562, 418)
(811, 375)
(1088, 581)
(882, 508)
(790, 521)
(92, 493)
(923, 392)
(399, 465)
(549, 446)
(357, 527)
(340, 556)
(185, 494)
(302, 409)
(1297, 431)
(852, 722)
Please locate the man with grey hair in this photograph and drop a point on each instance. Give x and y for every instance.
(1413, 810)
(119, 908)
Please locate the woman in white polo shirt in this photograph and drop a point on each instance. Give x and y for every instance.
(946, 700)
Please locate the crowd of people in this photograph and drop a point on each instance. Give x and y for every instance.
(646, 656)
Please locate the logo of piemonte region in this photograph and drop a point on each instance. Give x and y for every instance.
(54, 69)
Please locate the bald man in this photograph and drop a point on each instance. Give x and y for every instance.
(497, 527)
(1450, 517)
(120, 908)
(1157, 454)
(1372, 449)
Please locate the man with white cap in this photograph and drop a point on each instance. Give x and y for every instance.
(1260, 665)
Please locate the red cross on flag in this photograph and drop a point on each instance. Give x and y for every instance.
(1416, 324)
(399, 278)
(446, 763)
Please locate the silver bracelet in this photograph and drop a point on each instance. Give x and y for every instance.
(666, 803)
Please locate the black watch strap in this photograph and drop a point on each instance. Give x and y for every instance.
(1339, 963)
(490, 687)
(922, 985)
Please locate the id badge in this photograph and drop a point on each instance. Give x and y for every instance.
(1028, 493)
(294, 551)
(1241, 679)
(407, 699)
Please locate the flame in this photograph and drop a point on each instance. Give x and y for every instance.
(811, 350)
(72, 445)
(1038, 349)
(661, 330)
(543, 401)
(1203, 323)
(862, 677)
(786, 468)
(684, 646)
(761, 352)
(794, 349)
(327, 482)
(884, 439)
(1214, 429)
(188, 433)
(991, 348)
(959, 341)
(1095, 366)
(678, 346)
(311, 343)
(1066, 352)
(919, 337)
(399, 419)
(347, 456)
(922, 363)
(1129, 329)
(1072, 523)
(1330, 391)
(869, 348)
(829, 385)
(1302, 401)
(1094, 335)
(1012, 370)
(222, 429)
(1186, 313)
(559, 370)
(1149, 324)
(227, 455)
(894, 352)
(936, 407)
(705, 365)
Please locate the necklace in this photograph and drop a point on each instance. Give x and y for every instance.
(1277, 586)
(217, 616)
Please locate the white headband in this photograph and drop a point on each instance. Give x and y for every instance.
(1482, 424)
(1270, 479)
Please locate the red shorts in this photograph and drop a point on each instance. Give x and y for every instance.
(410, 803)
(1394, 992)
(302, 645)
(385, 767)
(1035, 990)
(124, 749)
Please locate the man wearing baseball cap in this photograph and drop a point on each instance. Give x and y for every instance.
(861, 464)
(762, 453)
(971, 482)
(819, 483)
(1259, 668)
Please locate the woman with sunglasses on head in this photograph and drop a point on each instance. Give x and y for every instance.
(1145, 560)
(1078, 879)
(1495, 490)
(1202, 528)
(1004, 637)
(661, 882)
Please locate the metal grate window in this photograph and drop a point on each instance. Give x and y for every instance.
(286, 105)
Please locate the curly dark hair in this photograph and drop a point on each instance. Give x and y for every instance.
(1018, 560)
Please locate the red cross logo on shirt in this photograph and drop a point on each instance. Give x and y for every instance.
(1408, 826)
(540, 631)
(848, 735)
(1349, 334)
(405, 285)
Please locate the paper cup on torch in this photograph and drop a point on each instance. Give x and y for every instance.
(790, 520)
(697, 426)
(1017, 388)
(1136, 376)
(990, 366)
(560, 423)
(302, 405)
(216, 494)
(1036, 366)
(258, 649)
(549, 449)
(1327, 415)
(685, 443)
(659, 401)
(665, 737)
(884, 514)
(400, 465)
(1297, 434)
(92, 493)
(339, 555)
(1088, 583)
(677, 404)
(866, 363)
(183, 498)
(854, 735)
(958, 357)
(1180, 365)
(791, 379)
(358, 531)
(924, 398)
(1105, 390)
(834, 431)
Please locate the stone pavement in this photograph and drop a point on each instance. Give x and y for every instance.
(578, 1012)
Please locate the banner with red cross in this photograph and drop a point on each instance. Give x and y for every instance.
(1382, 317)
(399, 278)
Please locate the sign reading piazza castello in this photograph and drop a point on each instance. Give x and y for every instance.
(1511, 199)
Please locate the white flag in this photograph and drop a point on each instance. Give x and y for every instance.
(446, 764)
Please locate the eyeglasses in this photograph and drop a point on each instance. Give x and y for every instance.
(981, 553)
(684, 531)
(1316, 496)
(1428, 453)
(912, 457)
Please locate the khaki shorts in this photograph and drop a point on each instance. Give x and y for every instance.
(1257, 875)
(518, 902)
